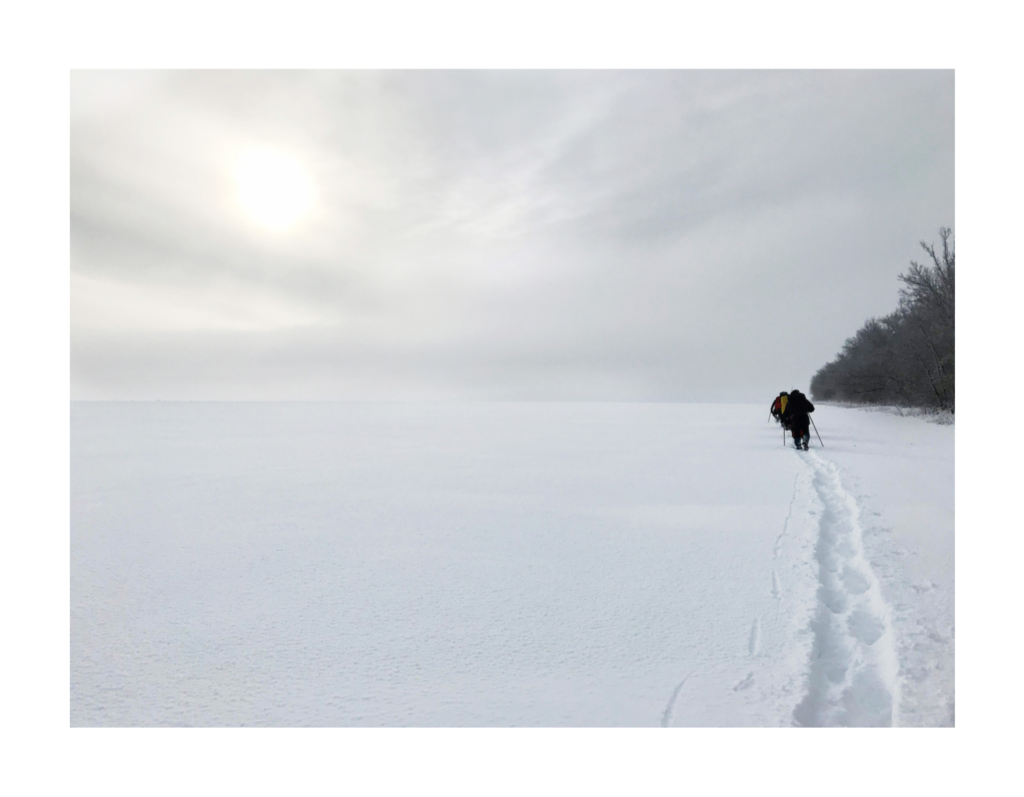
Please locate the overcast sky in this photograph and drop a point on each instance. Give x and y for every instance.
(662, 236)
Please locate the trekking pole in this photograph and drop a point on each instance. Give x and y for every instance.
(815, 430)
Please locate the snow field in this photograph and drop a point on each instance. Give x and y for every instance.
(899, 471)
(484, 564)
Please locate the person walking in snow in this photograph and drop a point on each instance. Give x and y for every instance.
(797, 415)
(779, 405)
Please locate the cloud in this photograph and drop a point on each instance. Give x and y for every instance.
(633, 235)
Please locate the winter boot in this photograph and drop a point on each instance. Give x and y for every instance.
(807, 439)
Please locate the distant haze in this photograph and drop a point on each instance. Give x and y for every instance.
(634, 236)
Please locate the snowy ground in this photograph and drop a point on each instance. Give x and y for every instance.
(508, 565)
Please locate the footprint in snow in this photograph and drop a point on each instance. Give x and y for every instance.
(754, 645)
(746, 683)
(855, 581)
(865, 626)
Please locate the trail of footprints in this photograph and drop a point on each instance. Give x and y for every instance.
(853, 667)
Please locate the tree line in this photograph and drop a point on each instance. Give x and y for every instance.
(907, 357)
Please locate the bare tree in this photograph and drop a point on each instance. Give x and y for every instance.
(908, 357)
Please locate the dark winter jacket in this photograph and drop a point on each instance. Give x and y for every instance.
(797, 409)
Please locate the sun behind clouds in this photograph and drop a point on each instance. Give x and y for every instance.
(274, 188)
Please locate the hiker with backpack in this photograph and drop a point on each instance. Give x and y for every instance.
(797, 415)
(779, 405)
